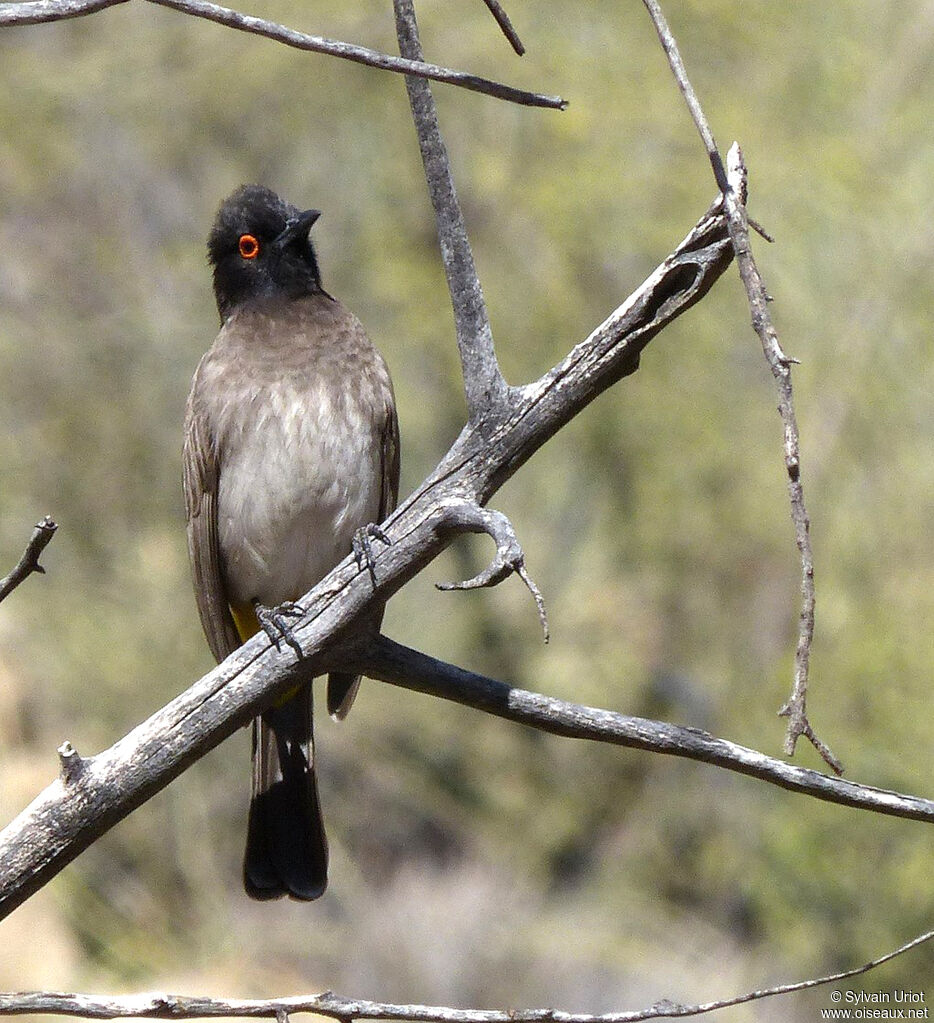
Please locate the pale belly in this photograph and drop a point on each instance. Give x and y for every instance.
(291, 499)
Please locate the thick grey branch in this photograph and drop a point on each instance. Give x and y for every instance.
(65, 818)
(410, 669)
(29, 562)
(483, 380)
(93, 793)
(159, 1006)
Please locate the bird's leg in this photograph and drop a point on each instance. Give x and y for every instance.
(363, 547)
(273, 622)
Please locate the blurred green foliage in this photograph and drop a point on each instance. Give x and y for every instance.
(474, 861)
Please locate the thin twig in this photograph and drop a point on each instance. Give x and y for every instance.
(690, 96)
(34, 12)
(29, 562)
(502, 19)
(167, 1006)
(796, 707)
(483, 381)
(732, 185)
(359, 54)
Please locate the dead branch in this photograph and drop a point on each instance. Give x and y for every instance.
(33, 12)
(505, 426)
(29, 562)
(732, 185)
(410, 669)
(38, 12)
(361, 54)
(502, 19)
(780, 364)
(166, 1006)
(483, 380)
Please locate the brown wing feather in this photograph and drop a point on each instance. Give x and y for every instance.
(200, 484)
(342, 687)
(390, 491)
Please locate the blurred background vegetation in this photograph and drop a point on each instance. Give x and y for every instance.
(475, 862)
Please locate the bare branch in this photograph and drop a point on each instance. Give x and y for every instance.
(483, 381)
(733, 188)
(687, 90)
(166, 1006)
(29, 562)
(411, 669)
(93, 793)
(36, 12)
(735, 206)
(612, 350)
(359, 54)
(502, 19)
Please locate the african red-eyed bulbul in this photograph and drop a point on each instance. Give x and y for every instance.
(291, 447)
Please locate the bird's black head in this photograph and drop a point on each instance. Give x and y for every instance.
(259, 249)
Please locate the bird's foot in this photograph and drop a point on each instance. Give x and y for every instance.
(363, 547)
(274, 622)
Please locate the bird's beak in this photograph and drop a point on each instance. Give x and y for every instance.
(297, 229)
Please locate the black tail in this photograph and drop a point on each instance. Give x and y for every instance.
(286, 849)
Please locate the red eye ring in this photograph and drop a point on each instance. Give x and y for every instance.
(249, 246)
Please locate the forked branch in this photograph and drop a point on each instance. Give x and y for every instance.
(505, 426)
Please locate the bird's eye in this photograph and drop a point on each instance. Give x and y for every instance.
(249, 246)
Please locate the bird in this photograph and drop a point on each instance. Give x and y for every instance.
(291, 456)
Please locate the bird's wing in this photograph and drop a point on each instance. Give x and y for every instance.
(200, 484)
(389, 493)
(342, 687)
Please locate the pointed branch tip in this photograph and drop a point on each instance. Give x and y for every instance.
(502, 19)
(509, 557)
